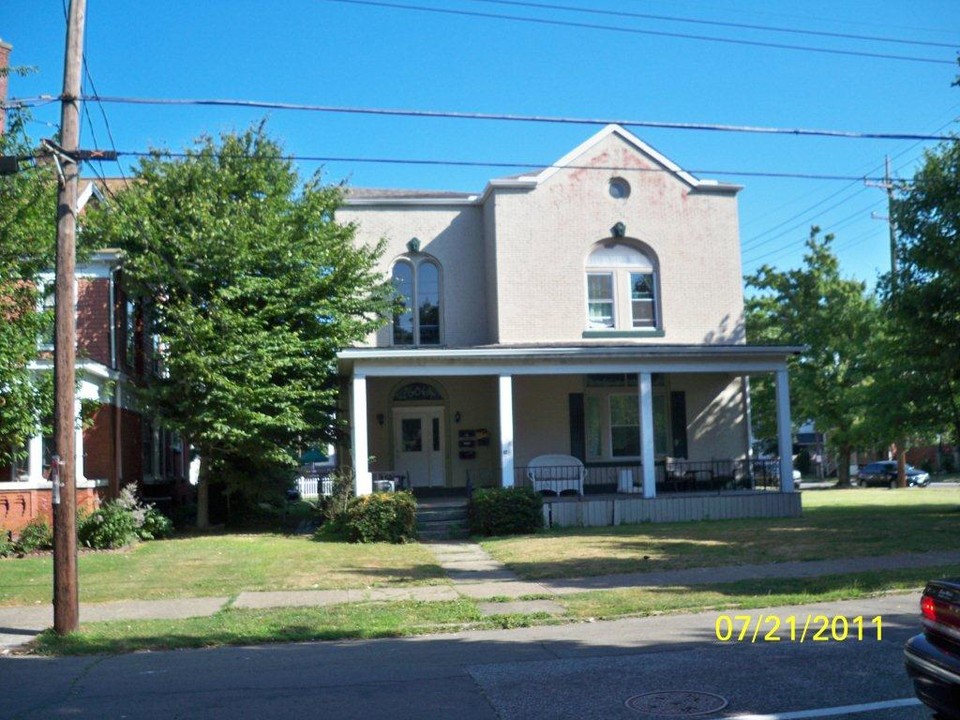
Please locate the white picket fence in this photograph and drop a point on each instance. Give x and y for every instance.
(314, 486)
(383, 481)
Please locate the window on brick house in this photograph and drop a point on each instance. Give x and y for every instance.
(622, 289)
(130, 333)
(417, 282)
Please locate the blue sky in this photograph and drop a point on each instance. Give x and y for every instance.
(325, 52)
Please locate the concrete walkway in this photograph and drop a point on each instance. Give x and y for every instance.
(473, 574)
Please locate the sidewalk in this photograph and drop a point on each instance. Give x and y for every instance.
(473, 574)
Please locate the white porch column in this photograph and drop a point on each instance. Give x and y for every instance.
(35, 459)
(647, 453)
(784, 432)
(506, 431)
(359, 443)
(78, 442)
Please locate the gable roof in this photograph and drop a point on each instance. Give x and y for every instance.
(531, 179)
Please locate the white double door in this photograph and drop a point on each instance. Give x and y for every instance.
(419, 445)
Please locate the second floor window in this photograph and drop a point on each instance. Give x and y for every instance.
(621, 289)
(418, 285)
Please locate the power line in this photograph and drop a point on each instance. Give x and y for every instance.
(636, 31)
(752, 244)
(534, 168)
(449, 114)
(777, 252)
(719, 23)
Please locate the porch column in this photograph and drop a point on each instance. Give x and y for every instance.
(784, 432)
(359, 445)
(647, 457)
(35, 458)
(506, 431)
(78, 442)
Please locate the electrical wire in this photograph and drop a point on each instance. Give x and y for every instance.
(534, 168)
(449, 114)
(718, 23)
(637, 31)
(755, 242)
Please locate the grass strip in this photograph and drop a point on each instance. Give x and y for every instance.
(407, 618)
(251, 627)
(748, 594)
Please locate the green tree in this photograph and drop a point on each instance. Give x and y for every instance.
(28, 212)
(832, 318)
(923, 296)
(250, 287)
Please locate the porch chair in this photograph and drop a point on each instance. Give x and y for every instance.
(556, 474)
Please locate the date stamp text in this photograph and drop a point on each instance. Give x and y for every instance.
(794, 628)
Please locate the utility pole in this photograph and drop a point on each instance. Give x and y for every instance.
(66, 606)
(887, 185)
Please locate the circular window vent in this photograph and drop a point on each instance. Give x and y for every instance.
(619, 188)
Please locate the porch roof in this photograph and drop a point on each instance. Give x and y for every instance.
(573, 359)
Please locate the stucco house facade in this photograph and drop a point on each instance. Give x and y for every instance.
(592, 309)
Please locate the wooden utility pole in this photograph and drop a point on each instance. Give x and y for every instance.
(899, 448)
(888, 185)
(66, 606)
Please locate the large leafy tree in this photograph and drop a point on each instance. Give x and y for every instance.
(833, 319)
(28, 213)
(250, 287)
(923, 295)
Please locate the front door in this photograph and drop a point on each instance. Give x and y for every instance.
(418, 445)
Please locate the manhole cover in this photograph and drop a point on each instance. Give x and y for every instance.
(680, 703)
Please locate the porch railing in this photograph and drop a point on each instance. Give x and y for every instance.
(672, 476)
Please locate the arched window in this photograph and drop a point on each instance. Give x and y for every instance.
(418, 285)
(621, 289)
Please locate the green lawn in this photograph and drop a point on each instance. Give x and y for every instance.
(835, 524)
(215, 565)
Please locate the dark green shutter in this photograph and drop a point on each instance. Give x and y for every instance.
(678, 423)
(578, 438)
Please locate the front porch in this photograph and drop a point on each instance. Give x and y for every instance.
(644, 421)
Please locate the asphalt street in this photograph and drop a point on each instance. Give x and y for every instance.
(587, 670)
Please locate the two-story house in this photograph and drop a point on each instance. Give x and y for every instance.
(592, 309)
(116, 444)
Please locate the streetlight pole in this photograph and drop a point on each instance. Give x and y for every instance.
(66, 606)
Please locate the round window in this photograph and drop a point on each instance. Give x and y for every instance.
(619, 188)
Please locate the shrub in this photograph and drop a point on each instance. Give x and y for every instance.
(7, 546)
(381, 517)
(111, 526)
(122, 521)
(505, 511)
(331, 508)
(155, 525)
(36, 535)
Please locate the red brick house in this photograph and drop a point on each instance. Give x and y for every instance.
(119, 445)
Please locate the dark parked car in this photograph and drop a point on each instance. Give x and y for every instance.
(884, 473)
(933, 657)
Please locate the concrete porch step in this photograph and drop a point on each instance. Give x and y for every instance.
(429, 515)
(442, 519)
(442, 529)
